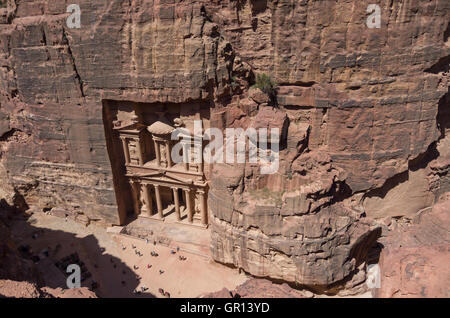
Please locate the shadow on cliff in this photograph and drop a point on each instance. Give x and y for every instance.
(432, 153)
(41, 256)
(443, 116)
(442, 67)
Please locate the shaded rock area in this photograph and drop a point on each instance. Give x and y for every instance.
(414, 260)
(12, 265)
(363, 114)
(120, 265)
(21, 276)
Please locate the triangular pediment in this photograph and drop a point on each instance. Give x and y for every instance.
(130, 128)
(175, 177)
(166, 177)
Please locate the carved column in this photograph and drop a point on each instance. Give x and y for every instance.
(148, 199)
(158, 153)
(158, 201)
(190, 211)
(168, 155)
(126, 151)
(139, 150)
(135, 195)
(176, 200)
(203, 209)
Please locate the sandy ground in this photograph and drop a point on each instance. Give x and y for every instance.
(116, 268)
(118, 271)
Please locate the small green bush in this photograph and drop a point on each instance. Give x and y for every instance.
(265, 83)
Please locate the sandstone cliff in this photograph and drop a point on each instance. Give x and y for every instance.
(414, 262)
(366, 111)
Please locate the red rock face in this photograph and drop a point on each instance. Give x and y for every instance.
(414, 262)
(260, 288)
(362, 109)
(13, 289)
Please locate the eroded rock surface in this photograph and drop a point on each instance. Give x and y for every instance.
(260, 288)
(363, 111)
(415, 258)
(24, 289)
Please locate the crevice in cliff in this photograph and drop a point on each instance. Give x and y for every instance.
(130, 35)
(447, 33)
(205, 14)
(7, 135)
(12, 11)
(443, 65)
(360, 251)
(423, 159)
(298, 83)
(341, 191)
(72, 58)
(338, 192)
(239, 5)
(443, 116)
(44, 38)
(13, 88)
(388, 185)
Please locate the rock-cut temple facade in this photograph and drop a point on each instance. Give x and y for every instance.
(160, 187)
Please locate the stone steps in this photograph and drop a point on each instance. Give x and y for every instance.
(188, 238)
